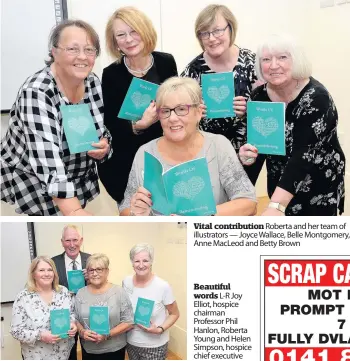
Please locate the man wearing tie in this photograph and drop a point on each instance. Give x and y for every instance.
(70, 259)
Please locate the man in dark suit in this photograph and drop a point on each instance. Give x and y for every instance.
(71, 259)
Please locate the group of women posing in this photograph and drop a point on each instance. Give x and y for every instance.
(43, 294)
(41, 176)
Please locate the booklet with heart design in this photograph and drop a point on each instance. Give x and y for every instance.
(184, 189)
(137, 99)
(79, 127)
(76, 280)
(60, 322)
(143, 312)
(99, 319)
(218, 92)
(266, 127)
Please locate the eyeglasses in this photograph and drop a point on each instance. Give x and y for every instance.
(98, 270)
(205, 35)
(180, 110)
(75, 50)
(122, 36)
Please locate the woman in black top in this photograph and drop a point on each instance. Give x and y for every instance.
(131, 39)
(309, 179)
(216, 29)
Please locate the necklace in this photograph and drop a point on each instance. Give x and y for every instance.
(143, 71)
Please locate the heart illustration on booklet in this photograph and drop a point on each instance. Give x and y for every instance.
(79, 125)
(75, 280)
(218, 94)
(140, 99)
(144, 310)
(99, 319)
(60, 322)
(189, 189)
(265, 126)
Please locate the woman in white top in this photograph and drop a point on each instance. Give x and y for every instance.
(31, 314)
(149, 343)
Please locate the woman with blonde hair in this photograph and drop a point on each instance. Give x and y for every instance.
(100, 292)
(149, 343)
(216, 29)
(179, 111)
(31, 314)
(131, 40)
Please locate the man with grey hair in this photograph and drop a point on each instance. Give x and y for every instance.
(71, 259)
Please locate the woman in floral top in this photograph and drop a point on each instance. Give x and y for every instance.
(31, 314)
(309, 179)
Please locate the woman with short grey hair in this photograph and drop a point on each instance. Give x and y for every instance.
(309, 179)
(149, 343)
(39, 173)
(100, 292)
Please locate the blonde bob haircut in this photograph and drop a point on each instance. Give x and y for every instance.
(208, 16)
(97, 259)
(31, 284)
(187, 85)
(301, 68)
(142, 247)
(138, 21)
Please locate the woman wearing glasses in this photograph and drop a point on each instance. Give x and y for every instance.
(38, 172)
(131, 40)
(31, 314)
(216, 29)
(100, 292)
(179, 111)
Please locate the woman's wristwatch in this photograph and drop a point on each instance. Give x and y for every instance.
(161, 328)
(277, 206)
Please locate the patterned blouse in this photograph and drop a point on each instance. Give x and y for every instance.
(314, 165)
(30, 315)
(234, 129)
(36, 164)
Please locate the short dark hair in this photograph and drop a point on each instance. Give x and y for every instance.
(56, 32)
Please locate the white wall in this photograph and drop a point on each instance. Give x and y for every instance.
(24, 34)
(328, 39)
(116, 240)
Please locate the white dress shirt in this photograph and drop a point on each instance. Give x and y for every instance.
(69, 262)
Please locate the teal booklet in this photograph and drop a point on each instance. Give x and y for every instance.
(143, 312)
(99, 319)
(184, 190)
(60, 322)
(79, 127)
(266, 127)
(76, 280)
(218, 91)
(137, 99)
